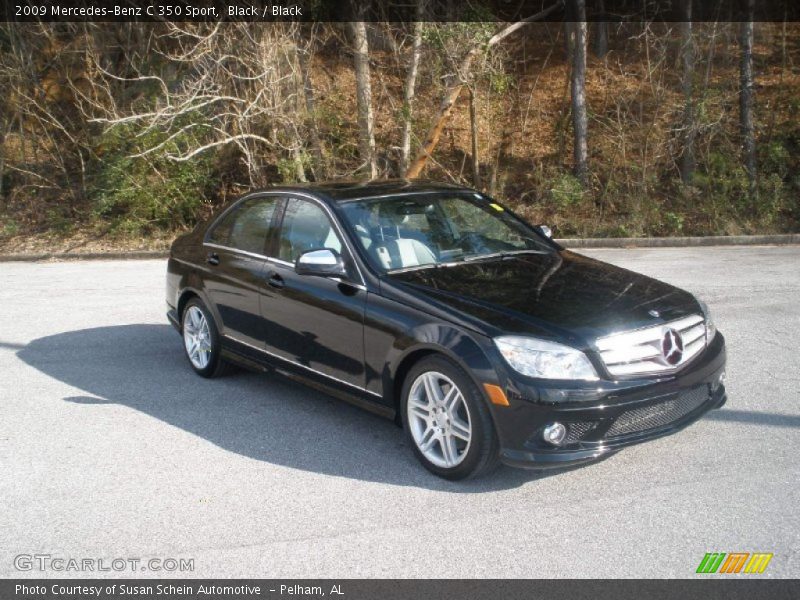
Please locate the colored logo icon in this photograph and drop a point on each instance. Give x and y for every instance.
(734, 562)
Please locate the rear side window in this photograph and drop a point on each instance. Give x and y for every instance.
(246, 226)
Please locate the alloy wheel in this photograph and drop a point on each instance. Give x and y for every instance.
(197, 337)
(439, 419)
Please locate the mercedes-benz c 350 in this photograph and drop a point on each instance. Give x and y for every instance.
(437, 306)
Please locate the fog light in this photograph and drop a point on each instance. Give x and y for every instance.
(554, 433)
(715, 385)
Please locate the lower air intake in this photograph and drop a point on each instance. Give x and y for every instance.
(659, 415)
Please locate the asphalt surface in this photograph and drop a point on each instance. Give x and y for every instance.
(110, 447)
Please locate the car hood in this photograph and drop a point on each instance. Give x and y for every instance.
(560, 294)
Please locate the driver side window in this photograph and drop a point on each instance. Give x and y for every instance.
(305, 227)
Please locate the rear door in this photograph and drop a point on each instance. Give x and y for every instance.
(316, 322)
(236, 262)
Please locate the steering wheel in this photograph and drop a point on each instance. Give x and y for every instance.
(475, 243)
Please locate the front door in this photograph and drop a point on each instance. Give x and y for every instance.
(316, 322)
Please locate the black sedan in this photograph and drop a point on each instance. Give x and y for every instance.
(437, 306)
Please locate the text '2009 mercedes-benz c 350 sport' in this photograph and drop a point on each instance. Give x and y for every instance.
(437, 306)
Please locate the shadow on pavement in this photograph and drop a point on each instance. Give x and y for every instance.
(11, 346)
(264, 417)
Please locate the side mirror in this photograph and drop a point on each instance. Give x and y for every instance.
(545, 231)
(323, 263)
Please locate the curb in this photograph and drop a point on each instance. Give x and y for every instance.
(683, 242)
(114, 255)
(670, 242)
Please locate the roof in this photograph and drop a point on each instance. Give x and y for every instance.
(338, 191)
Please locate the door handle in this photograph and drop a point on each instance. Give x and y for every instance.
(212, 258)
(276, 281)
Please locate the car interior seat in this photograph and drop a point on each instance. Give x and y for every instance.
(394, 246)
(308, 231)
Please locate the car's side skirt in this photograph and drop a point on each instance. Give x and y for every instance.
(254, 358)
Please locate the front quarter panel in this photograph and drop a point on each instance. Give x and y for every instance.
(395, 335)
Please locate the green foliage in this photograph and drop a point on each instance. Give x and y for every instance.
(566, 191)
(500, 83)
(449, 36)
(726, 196)
(724, 182)
(772, 200)
(776, 159)
(139, 194)
(287, 167)
(674, 222)
(59, 221)
(8, 227)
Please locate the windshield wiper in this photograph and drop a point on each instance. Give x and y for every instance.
(453, 263)
(438, 265)
(503, 254)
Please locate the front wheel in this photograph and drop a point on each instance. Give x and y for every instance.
(201, 340)
(447, 420)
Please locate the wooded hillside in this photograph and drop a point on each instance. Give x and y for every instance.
(128, 132)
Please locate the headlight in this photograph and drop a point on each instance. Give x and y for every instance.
(546, 360)
(711, 328)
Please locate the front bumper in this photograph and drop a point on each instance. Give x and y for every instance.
(172, 317)
(604, 417)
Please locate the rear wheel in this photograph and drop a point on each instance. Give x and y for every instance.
(447, 420)
(201, 340)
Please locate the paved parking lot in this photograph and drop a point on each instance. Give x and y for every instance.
(111, 447)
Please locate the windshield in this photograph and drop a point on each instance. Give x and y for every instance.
(433, 229)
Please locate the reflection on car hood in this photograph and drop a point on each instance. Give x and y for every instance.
(561, 292)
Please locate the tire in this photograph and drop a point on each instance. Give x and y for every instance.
(453, 437)
(198, 327)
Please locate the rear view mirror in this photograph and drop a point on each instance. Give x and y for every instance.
(545, 231)
(323, 263)
(412, 208)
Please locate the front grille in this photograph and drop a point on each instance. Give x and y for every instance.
(640, 351)
(659, 415)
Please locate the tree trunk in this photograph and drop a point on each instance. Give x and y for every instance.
(3, 157)
(746, 99)
(687, 84)
(473, 120)
(303, 55)
(601, 33)
(366, 120)
(409, 90)
(578, 90)
(455, 84)
(297, 153)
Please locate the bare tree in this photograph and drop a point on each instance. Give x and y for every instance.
(455, 84)
(239, 87)
(366, 119)
(473, 120)
(687, 84)
(601, 33)
(303, 59)
(3, 128)
(578, 91)
(53, 146)
(746, 98)
(410, 89)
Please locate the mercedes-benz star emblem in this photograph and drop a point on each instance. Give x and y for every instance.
(672, 347)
